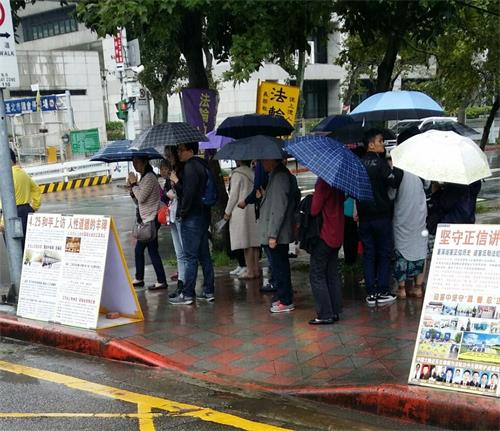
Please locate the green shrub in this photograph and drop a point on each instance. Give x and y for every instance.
(115, 130)
(476, 111)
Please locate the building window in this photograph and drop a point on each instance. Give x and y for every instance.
(316, 98)
(48, 24)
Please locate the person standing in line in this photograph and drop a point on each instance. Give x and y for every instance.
(324, 272)
(28, 194)
(375, 220)
(279, 203)
(242, 224)
(146, 194)
(409, 224)
(171, 168)
(195, 222)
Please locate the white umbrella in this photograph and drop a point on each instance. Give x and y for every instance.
(442, 156)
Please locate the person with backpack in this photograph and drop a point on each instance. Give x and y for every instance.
(276, 226)
(196, 192)
(328, 203)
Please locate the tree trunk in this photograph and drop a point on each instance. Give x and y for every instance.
(192, 47)
(220, 240)
(160, 114)
(461, 112)
(301, 71)
(489, 122)
(386, 67)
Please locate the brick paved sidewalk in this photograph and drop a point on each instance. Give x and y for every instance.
(237, 336)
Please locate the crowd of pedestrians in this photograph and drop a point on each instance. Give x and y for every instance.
(394, 230)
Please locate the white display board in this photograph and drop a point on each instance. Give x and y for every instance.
(9, 73)
(74, 269)
(458, 340)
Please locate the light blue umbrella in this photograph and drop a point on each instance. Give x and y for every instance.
(397, 105)
(119, 151)
(333, 163)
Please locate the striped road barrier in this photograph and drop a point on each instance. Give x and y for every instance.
(75, 184)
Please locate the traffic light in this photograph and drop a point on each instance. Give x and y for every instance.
(122, 110)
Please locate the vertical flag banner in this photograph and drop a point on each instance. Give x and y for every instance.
(200, 108)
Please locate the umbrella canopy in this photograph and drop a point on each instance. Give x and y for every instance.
(397, 105)
(215, 142)
(333, 163)
(167, 134)
(119, 151)
(442, 156)
(258, 147)
(244, 126)
(354, 132)
(333, 122)
(452, 126)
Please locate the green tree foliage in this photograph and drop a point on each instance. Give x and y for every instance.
(389, 26)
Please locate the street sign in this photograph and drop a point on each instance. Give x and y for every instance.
(117, 41)
(28, 104)
(9, 73)
(85, 141)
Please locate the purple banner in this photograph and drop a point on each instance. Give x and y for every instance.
(200, 108)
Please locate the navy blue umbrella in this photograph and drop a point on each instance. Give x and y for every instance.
(244, 126)
(253, 148)
(119, 151)
(333, 163)
(331, 123)
(354, 132)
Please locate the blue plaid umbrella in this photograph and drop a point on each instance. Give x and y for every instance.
(333, 163)
(119, 151)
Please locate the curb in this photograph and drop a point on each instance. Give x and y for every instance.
(75, 184)
(409, 403)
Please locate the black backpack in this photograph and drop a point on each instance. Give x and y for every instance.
(309, 226)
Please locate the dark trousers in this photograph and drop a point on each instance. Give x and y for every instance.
(271, 278)
(239, 255)
(194, 233)
(325, 280)
(154, 255)
(281, 273)
(376, 236)
(22, 213)
(350, 241)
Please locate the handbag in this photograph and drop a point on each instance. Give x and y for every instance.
(144, 232)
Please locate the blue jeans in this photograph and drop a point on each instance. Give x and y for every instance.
(281, 273)
(376, 236)
(194, 233)
(175, 229)
(154, 254)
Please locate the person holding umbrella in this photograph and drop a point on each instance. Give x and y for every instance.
(375, 220)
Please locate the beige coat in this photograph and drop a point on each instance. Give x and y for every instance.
(242, 225)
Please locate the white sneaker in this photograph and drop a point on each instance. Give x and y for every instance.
(242, 271)
(236, 270)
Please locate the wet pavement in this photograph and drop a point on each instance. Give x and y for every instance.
(237, 336)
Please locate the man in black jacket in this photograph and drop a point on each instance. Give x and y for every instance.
(195, 221)
(375, 220)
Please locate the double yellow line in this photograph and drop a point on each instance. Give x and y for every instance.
(145, 403)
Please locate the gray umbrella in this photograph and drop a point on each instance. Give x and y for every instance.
(258, 147)
(167, 134)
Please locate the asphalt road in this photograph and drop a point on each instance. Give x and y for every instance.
(44, 389)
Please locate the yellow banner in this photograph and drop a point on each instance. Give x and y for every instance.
(278, 100)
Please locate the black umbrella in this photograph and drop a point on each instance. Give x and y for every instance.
(333, 122)
(244, 126)
(119, 151)
(252, 148)
(452, 126)
(353, 133)
(168, 134)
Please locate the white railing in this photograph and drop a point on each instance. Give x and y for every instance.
(67, 171)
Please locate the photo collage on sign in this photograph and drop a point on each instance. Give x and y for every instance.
(459, 346)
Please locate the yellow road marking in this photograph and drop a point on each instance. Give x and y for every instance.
(79, 415)
(145, 418)
(144, 402)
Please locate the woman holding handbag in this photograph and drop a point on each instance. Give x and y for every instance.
(146, 195)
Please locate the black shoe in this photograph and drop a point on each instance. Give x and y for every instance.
(317, 321)
(386, 298)
(138, 283)
(178, 290)
(158, 286)
(268, 288)
(336, 318)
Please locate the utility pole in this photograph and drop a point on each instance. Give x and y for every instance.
(12, 223)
